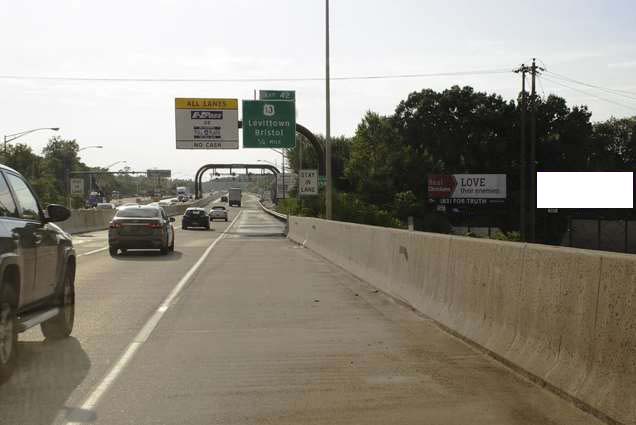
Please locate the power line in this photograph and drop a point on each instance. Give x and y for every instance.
(541, 85)
(616, 92)
(589, 94)
(250, 80)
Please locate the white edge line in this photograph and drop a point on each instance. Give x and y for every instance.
(146, 330)
(95, 251)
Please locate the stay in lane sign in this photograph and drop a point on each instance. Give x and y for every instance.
(269, 124)
(206, 123)
(308, 182)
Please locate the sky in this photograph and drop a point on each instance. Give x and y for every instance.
(589, 41)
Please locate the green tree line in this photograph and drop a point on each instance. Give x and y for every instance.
(47, 173)
(381, 171)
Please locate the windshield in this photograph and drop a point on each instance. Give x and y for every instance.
(138, 213)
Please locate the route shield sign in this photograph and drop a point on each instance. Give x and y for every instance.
(269, 124)
(206, 123)
(308, 182)
(77, 187)
(277, 95)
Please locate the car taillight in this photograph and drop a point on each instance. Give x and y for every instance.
(115, 225)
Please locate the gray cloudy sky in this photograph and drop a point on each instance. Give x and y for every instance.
(594, 42)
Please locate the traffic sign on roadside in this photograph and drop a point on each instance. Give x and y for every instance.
(206, 123)
(308, 182)
(269, 124)
(277, 95)
(284, 184)
(77, 186)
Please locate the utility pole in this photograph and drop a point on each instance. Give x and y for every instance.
(282, 152)
(523, 166)
(300, 167)
(328, 183)
(534, 71)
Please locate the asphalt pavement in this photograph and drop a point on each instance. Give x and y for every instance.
(241, 326)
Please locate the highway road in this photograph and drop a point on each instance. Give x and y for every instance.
(241, 326)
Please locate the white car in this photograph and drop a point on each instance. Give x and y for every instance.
(105, 206)
(218, 212)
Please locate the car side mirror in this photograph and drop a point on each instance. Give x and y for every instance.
(55, 213)
(171, 219)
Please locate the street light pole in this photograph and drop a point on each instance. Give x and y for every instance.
(90, 176)
(328, 189)
(11, 137)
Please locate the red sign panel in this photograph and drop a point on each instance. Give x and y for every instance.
(441, 186)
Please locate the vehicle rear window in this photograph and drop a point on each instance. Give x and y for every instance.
(138, 212)
(218, 208)
(195, 212)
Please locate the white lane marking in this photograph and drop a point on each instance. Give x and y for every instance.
(146, 330)
(95, 251)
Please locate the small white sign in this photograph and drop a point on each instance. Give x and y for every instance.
(77, 186)
(308, 182)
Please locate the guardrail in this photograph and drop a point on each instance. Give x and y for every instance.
(276, 214)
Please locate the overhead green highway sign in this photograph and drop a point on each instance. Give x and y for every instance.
(277, 95)
(269, 124)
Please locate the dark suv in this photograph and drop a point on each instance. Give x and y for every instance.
(37, 268)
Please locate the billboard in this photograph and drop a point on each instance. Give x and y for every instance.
(467, 189)
(206, 123)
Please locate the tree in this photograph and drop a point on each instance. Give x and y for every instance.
(340, 151)
(615, 141)
(60, 158)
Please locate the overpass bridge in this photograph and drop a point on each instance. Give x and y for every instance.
(335, 324)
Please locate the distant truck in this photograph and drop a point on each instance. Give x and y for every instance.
(234, 196)
(182, 194)
(95, 198)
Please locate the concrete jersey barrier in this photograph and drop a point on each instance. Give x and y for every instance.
(98, 219)
(565, 317)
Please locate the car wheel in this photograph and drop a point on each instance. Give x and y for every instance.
(61, 325)
(184, 227)
(8, 334)
(225, 218)
(164, 249)
(112, 250)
